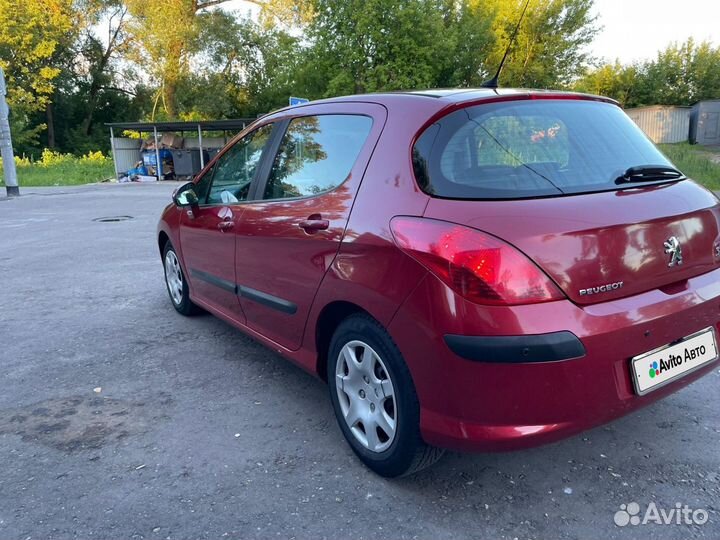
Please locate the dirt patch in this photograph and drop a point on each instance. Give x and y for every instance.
(715, 158)
(712, 153)
(76, 423)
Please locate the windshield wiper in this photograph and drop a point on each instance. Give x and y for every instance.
(649, 173)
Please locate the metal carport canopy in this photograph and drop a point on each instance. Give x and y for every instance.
(237, 124)
(204, 125)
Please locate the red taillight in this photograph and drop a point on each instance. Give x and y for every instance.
(477, 266)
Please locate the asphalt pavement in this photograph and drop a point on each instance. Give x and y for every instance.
(121, 419)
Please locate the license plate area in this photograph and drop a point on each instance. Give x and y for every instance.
(661, 366)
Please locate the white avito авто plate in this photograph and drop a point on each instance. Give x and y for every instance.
(658, 367)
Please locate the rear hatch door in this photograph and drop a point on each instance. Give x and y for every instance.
(573, 183)
(601, 246)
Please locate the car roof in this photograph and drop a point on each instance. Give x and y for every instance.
(467, 94)
(437, 99)
(458, 95)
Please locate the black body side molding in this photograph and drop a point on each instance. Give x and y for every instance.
(260, 297)
(551, 347)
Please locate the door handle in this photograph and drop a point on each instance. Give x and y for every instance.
(226, 225)
(314, 223)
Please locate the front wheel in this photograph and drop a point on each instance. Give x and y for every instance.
(374, 399)
(176, 283)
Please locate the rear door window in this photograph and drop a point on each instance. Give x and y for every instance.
(530, 148)
(316, 155)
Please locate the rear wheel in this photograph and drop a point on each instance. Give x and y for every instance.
(176, 283)
(374, 399)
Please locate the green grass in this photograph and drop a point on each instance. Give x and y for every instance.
(696, 162)
(69, 173)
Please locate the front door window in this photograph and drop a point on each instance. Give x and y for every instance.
(234, 171)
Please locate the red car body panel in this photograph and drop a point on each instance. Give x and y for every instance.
(580, 240)
(211, 249)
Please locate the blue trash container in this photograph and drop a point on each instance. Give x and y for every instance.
(150, 159)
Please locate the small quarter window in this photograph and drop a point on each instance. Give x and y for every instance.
(316, 155)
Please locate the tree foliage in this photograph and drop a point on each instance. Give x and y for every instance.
(681, 74)
(550, 48)
(165, 35)
(33, 37)
(73, 65)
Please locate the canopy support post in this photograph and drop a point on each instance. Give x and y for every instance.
(114, 155)
(200, 144)
(158, 165)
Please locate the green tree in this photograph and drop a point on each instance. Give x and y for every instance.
(705, 72)
(550, 48)
(98, 54)
(166, 37)
(277, 72)
(74, 64)
(372, 45)
(681, 74)
(163, 36)
(468, 41)
(33, 35)
(246, 68)
(294, 13)
(612, 80)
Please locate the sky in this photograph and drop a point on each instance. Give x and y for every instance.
(638, 29)
(635, 29)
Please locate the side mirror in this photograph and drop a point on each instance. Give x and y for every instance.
(185, 195)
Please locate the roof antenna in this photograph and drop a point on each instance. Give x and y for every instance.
(493, 83)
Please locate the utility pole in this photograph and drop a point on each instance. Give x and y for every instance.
(6, 150)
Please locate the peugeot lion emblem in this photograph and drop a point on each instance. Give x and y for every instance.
(673, 248)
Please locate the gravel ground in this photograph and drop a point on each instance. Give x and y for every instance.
(121, 419)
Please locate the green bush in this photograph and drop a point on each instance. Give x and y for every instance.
(56, 169)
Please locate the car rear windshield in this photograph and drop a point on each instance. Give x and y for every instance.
(530, 148)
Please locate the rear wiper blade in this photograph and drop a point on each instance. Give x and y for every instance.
(649, 173)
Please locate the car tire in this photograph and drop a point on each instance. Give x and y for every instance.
(176, 283)
(374, 399)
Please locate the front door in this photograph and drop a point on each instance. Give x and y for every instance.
(287, 240)
(207, 233)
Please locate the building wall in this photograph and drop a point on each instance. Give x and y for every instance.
(705, 128)
(663, 124)
(126, 153)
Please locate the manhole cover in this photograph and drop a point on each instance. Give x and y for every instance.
(111, 219)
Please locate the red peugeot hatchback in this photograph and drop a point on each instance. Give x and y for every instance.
(468, 269)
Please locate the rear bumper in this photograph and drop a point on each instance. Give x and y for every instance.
(478, 395)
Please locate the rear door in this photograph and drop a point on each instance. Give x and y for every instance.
(207, 233)
(288, 238)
